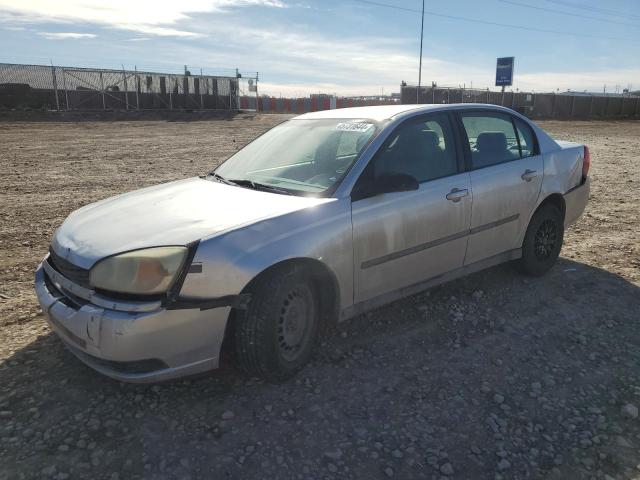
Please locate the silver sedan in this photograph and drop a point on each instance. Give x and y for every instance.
(322, 218)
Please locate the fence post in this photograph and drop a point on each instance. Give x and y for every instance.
(606, 107)
(257, 78)
(126, 92)
(553, 105)
(433, 95)
(55, 86)
(573, 102)
(635, 112)
(200, 85)
(104, 103)
(487, 95)
(448, 98)
(136, 85)
(170, 94)
(64, 85)
(590, 107)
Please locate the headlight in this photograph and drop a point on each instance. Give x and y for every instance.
(145, 272)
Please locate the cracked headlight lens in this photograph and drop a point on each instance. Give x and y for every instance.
(144, 272)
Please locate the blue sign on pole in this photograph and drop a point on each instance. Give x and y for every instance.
(504, 71)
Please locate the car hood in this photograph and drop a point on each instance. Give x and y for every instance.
(175, 213)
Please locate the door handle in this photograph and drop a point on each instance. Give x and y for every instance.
(457, 194)
(529, 175)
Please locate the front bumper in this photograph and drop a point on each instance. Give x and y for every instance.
(137, 346)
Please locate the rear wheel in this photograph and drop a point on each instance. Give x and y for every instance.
(543, 241)
(275, 336)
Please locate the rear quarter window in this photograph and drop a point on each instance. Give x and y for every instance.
(528, 142)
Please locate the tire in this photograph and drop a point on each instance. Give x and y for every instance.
(542, 242)
(275, 335)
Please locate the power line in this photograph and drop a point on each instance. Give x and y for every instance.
(567, 13)
(605, 11)
(386, 5)
(495, 24)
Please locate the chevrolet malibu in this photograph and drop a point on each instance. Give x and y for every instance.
(322, 218)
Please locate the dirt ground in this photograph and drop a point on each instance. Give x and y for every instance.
(491, 376)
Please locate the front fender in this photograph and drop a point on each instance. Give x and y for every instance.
(231, 260)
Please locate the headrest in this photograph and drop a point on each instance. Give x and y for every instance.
(326, 151)
(430, 139)
(360, 142)
(414, 135)
(491, 142)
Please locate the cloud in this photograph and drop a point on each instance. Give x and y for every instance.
(296, 64)
(65, 35)
(298, 90)
(578, 81)
(146, 16)
(293, 58)
(315, 62)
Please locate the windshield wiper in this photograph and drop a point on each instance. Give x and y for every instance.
(220, 178)
(241, 182)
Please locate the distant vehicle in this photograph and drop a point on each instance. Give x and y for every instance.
(323, 217)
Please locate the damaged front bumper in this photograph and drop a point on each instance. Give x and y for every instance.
(137, 342)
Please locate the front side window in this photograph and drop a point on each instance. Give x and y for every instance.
(424, 149)
(492, 138)
(303, 157)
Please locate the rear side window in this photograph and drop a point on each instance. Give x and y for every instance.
(424, 149)
(492, 138)
(527, 138)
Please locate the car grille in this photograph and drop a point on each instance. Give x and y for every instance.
(71, 272)
(66, 298)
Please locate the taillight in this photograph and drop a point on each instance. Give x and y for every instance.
(586, 162)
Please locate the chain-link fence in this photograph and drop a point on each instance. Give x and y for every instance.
(39, 87)
(533, 105)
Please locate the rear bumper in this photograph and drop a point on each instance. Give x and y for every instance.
(138, 347)
(575, 202)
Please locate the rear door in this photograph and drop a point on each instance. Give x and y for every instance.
(506, 176)
(403, 238)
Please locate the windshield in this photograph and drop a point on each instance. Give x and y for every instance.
(300, 156)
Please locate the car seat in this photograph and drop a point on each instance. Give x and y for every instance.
(491, 148)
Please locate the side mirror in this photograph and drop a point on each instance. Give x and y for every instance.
(395, 182)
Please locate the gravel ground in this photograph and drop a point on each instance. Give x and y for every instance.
(491, 376)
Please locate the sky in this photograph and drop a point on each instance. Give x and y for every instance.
(346, 47)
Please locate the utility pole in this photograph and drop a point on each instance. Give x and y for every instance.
(420, 68)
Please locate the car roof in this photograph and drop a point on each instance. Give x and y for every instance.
(385, 112)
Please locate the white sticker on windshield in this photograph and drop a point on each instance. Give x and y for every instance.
(354, 126)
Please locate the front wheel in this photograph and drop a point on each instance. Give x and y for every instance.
(275, 336)
(543, 241)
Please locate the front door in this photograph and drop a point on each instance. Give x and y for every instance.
(403, 238)
(506, 177)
